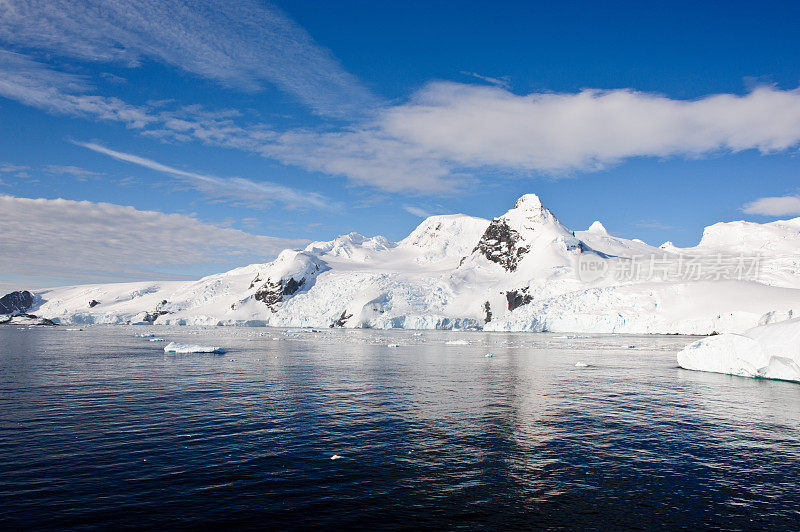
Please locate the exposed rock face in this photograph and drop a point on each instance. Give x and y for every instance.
(151, 317)
(93, 303)
(258, 279)
(487, 310)
(342, 319)
(272, 293)
(517, 298)
(22, 318)
(16, 302)
(500, 244)
(291, 271)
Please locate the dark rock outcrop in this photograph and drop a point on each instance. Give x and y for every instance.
(487, 310)
(342, 319)
(500, 244)
(272, 293)
(39, 321)
(517, 298)
(257, 279)
(16, 302)
(151, 317)
(93, 303)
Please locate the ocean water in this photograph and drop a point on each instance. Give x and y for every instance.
(101, 429)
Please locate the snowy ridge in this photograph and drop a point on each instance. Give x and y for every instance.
(521, 271)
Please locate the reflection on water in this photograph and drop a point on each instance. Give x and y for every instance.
(100, 428)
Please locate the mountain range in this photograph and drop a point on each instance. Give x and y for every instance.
(521, 271)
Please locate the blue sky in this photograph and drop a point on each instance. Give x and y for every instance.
(258, 126)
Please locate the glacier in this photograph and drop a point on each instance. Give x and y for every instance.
(521, 271)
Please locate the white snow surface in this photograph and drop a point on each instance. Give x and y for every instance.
(767, 351)
(440, 278)
(174, 347)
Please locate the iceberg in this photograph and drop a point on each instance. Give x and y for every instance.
(768, 351)
(174, 347)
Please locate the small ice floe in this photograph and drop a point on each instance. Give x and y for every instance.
(145, 335)
(456, 342)
(336, 457)
(631, 347)
(581, 365)
(157, 340)
(489, 355)
(392, 345)
(74, 329)
(174, 347)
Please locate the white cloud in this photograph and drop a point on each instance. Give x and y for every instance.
(487, 126)
(416, 211)
(774, 206)
(243, 191)
(61, 238)
(238, 43)
(367, 157)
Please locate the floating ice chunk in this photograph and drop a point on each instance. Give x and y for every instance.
(457, 342)
(145, 335)
(581, 365)
(768, 351)
(157, 340)
(489, 355)
(392, 345)
(336, 457)
(174, 347)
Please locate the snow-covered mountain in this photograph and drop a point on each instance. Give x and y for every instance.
(521, 271)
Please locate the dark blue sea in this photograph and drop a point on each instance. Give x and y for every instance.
(101, 429)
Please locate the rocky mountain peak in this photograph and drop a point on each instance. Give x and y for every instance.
(16, 302)
(529, 202)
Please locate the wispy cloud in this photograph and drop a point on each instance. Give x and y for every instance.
(416, 211)
(654, 224)
(504, 82)
(240, 43)
(774, 206)
(62, 238)
(10, 168)
(78, 173)
(19, 171)
(33, 83)
(254, 194)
